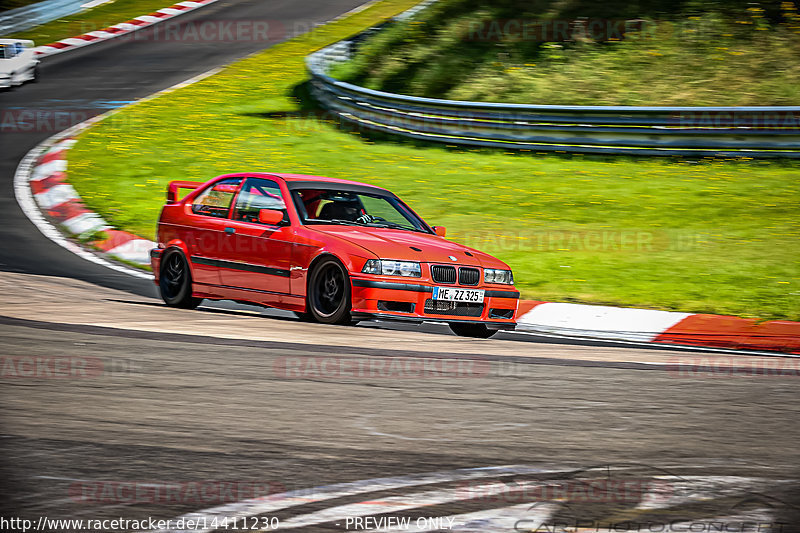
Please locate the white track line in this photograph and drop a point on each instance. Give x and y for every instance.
(673, 491)
(529, 517)
(276, 502)
(656, 345)
(393, 504)
(669, 490)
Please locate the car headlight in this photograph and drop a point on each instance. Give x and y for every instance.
(493, 275)
(387, 267)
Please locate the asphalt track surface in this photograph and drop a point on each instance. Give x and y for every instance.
(90, 80)
(191, 406)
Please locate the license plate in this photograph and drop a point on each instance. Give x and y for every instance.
(452, 294)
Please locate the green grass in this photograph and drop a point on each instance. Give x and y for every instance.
(716, 236)
(93, 19)
(741, 58)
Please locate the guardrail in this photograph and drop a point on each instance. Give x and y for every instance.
(751, 132)
(26, 17)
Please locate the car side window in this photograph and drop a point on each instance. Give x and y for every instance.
(216, 200)
(257, 194)
(5, 52)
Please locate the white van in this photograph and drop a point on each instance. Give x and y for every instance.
(18, 62)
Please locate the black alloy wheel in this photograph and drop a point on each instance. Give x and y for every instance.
(175, 282)
(329, 293)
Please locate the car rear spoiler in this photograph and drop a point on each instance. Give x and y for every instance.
(172, 189)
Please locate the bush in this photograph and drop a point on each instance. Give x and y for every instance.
(684, 55)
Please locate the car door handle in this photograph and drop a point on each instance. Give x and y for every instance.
(230, 231)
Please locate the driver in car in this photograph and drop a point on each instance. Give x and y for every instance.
(340, 206)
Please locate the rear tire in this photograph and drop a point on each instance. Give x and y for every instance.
(329, 293)
(35, 78)
(479, 331)
(175, 282)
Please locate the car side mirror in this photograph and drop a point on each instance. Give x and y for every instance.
(270, 216)
(441, 231)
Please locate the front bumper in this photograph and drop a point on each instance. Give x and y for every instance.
(410, 299)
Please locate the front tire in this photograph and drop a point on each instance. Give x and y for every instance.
(175, 282)
(329, 293)
(479, 331)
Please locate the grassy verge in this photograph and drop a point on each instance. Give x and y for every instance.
(463, 50)
(93, 19)
(714, 236)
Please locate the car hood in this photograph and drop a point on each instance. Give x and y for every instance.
(388, 243)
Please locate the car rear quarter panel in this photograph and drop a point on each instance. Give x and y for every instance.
(195, 237)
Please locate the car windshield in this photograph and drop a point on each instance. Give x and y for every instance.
(333, 206)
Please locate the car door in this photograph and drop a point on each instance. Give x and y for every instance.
(204, 233)
(259, 255)
(27, 61)
(8, 61)
(18, 63)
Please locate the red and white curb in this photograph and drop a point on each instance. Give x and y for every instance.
(60, 202)
(25, 198)
(123, 28)
(660, 327)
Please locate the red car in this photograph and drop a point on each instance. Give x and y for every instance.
(330, 250)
